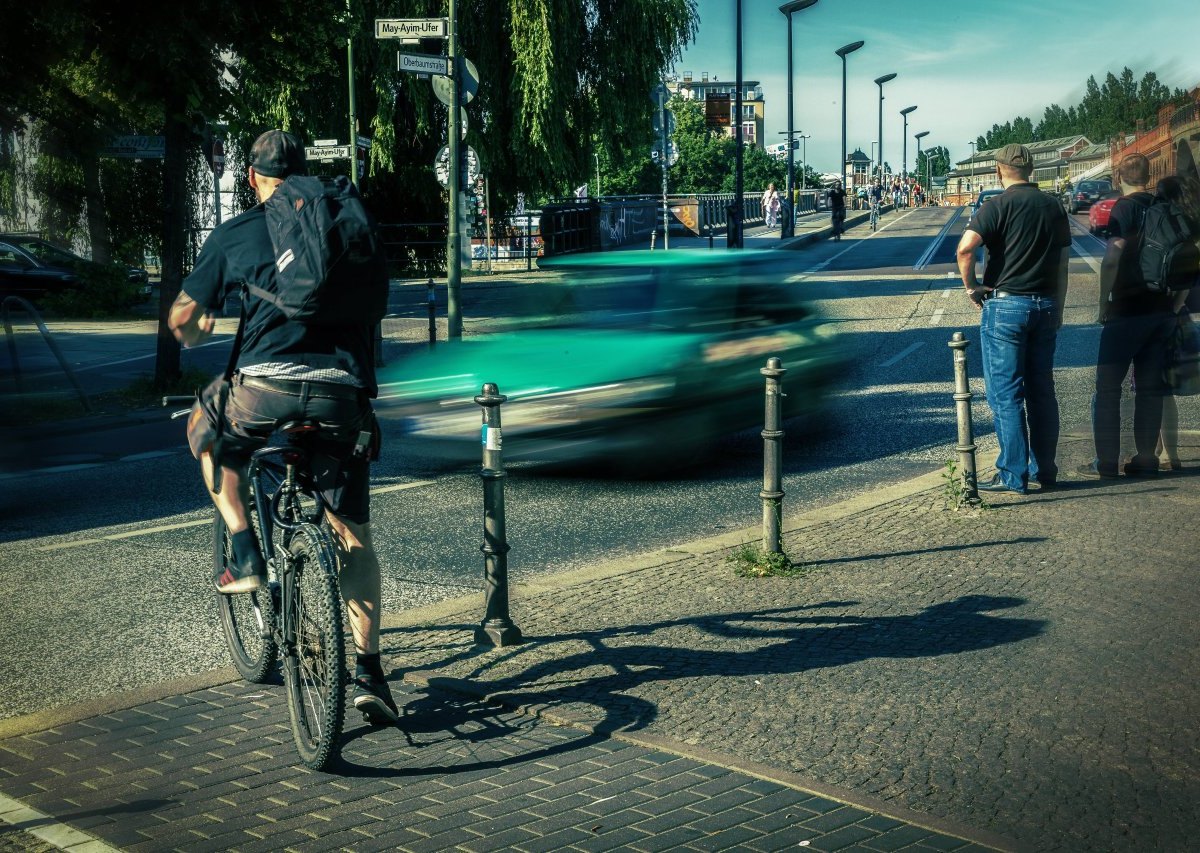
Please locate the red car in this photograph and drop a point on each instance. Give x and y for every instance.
(1099, 212)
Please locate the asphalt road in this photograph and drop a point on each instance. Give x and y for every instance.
(106, 565)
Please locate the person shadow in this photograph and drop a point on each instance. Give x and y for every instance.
(613, 664)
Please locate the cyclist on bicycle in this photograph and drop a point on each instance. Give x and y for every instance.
(875, 196)
(286, 371)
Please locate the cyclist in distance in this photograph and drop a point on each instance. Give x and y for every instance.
(875, 198)
(287, 370)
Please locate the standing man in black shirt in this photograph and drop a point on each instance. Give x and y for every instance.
(837, 204)
(286, 370)
(1021, 300)
(1135, 324)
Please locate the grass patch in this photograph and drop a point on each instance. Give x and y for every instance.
(751, 561)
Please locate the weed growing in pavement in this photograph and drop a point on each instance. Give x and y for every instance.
(751, 561)
(953, 494)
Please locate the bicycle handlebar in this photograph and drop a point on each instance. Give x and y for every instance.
(174, 400)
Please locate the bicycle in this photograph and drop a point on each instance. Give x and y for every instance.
(874, 215)
(298, 616)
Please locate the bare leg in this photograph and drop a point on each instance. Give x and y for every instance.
(233, 497)
(360, 582)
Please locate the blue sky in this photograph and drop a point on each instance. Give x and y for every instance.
(965, 64)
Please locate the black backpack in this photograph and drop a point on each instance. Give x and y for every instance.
(1168, 257)
(330, 267)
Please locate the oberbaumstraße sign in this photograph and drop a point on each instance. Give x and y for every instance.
(411, 28)
(423, 63)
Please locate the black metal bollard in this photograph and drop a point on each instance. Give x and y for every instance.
(772, 490)
(497, 629)
(431, 302)
(962, 402)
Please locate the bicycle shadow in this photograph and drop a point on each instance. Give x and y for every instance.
(608, 672)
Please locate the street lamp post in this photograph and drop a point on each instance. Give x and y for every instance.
(904, 159)
(928, 177)
(804, 137)
(787, 9)
(879, 81)
(736, 219)
(971, 180)
(843, 52)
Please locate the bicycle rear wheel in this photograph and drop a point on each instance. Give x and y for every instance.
(314, 667)
(246, 618)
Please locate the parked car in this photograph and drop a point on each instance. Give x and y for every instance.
(1085, 195)
(1099, 213)
(640, 360)
(983, 196)
(31, 267)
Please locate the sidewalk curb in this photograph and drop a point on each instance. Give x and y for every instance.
(53, 717)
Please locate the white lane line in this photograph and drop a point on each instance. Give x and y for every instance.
(21, 817)
(854, 244)
(907, 351)
(937, 317)
(149, 454)
(923, 261)
(1088, 259)
(214, 342)
(946, 293)
(184, 525)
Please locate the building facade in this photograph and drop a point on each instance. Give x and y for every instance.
(1171, 144)
(714, 94)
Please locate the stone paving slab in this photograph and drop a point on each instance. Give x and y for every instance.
(458, 774)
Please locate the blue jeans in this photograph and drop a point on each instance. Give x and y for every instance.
(1142, 342)
(1018, 335)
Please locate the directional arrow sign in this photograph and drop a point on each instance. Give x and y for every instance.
(443, 87)
(411, 28)
(423, 63)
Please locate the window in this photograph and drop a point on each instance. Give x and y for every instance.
(747, 131)
(747, 110)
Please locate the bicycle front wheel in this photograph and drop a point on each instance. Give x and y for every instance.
(314, 666)
(245, 617)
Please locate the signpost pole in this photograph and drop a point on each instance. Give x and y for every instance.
(453, 237)
(662, 115)
(353, 108)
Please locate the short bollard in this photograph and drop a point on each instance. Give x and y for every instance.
(962, 403)
(431, 302)
(772, 490)
(497, 628)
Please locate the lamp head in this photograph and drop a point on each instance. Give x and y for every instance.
(921, 135)
(849, 48)
(795, 6)
(907, 110)
(885, 78)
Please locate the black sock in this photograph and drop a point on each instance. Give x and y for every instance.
(245, 549)
(368, 665)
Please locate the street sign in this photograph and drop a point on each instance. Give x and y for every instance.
(441, 166)
(327, 153)
(443, 87)
(323, 142)
(411, 28)
(423, 63)
(364, 142)
(136, 147)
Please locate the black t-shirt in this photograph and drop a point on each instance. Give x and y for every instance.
(1129, 296)
(1024, 231)
(837, 199)
(239, 251)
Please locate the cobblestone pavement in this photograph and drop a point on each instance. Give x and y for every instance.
(1030, 669)
(1021, 677)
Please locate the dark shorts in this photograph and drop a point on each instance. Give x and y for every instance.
(256, 406)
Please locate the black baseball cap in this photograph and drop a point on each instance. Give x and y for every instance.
(277, 154)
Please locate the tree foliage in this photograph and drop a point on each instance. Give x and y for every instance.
(1106, 110)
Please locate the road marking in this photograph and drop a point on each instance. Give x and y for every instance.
(22, 818)
(937, 317)
(184, 525)
(211, 343)
(908, 350)
(946, 293)
(801, 276)
(1088, 259)
(836, 276)
(923, 261)
(149, 454)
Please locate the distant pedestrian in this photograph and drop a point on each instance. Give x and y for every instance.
(837, 206)
(770, 203)
(1135, 325)
(1027, 238)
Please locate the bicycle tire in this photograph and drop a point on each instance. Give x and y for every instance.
(314, 667)
(246, 618)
